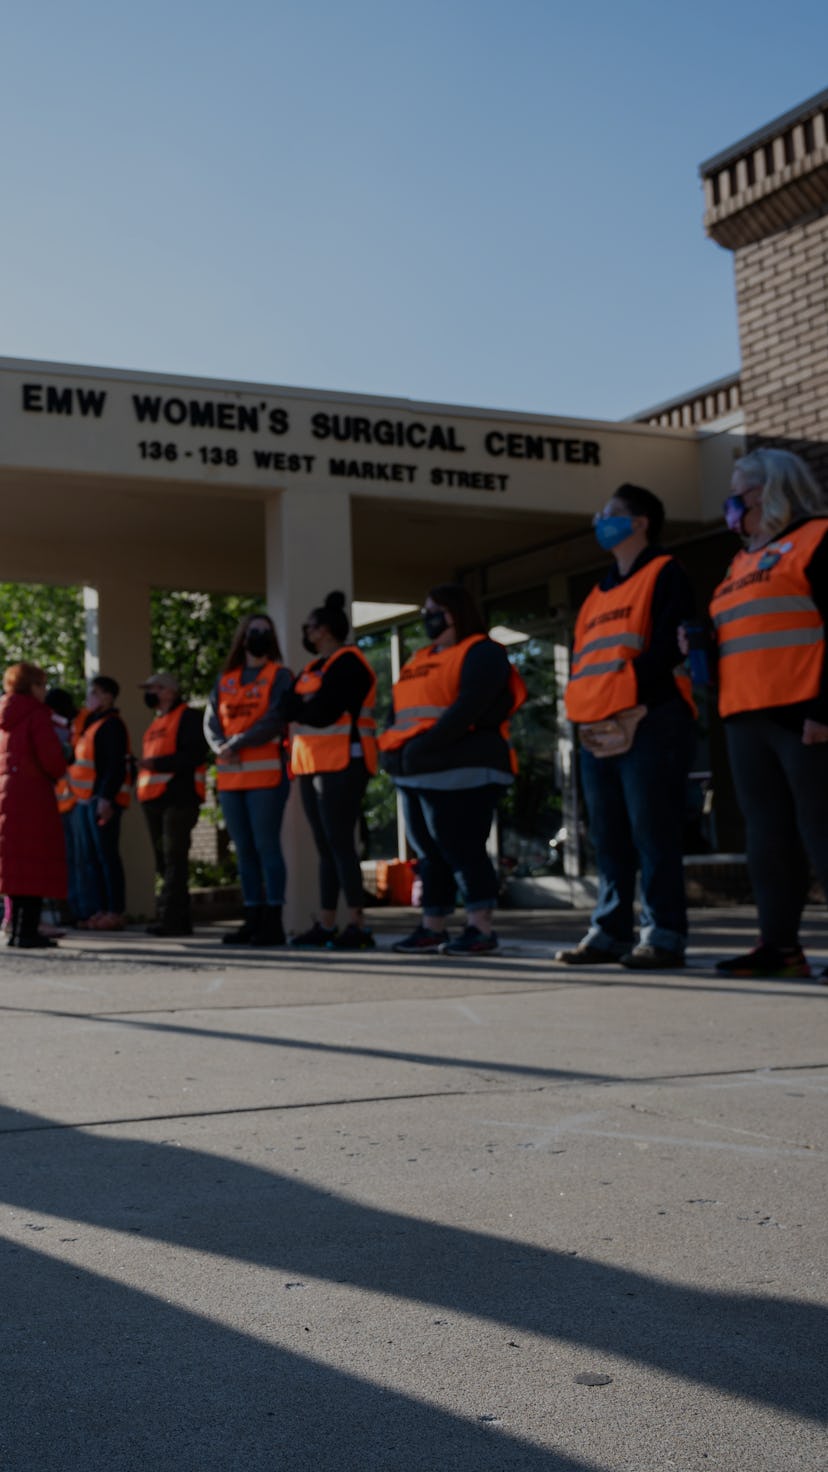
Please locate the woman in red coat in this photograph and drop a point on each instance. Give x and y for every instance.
(32, 852)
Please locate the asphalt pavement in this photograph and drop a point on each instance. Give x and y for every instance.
(276, 1210)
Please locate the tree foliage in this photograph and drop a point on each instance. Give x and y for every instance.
(192, 633)
(44, 625)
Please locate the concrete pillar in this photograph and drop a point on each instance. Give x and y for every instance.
(119, 645)
(308, 554)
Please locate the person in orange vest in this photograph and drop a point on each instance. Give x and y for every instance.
(631, 702)
(449, 752)
(100, 779)
(769, 619)
(246, 731)
(171, 788)
(333, 753)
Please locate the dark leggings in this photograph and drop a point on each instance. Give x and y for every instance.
(782, 789)
(333, 802)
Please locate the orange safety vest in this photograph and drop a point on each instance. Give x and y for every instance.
(161, 739)
(81, 773)
(771, 634)
(429, 683)
(612, 628)
(328, 748)
(63, 792)
(240, 707)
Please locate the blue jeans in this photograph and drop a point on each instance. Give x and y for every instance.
(74, 891)
(448, 831)
(254, 822)
(636, 805)
(101, 873)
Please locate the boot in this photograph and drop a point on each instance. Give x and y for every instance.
(245, 933)
(16, 917)
(270, 931)
(29, 937)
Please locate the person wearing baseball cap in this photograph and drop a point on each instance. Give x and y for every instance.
(171, 788)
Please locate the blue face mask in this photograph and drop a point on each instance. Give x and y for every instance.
(610, 530)
(735, 510)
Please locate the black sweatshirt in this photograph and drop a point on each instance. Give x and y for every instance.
(464, 746)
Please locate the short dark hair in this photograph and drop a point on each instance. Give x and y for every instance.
(332, 616)
(61, 702)
(107, 685)
(464, 608)
(640, 502)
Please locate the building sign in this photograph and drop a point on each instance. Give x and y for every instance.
(250, 437)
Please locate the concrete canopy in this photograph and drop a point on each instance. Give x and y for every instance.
(127, 481)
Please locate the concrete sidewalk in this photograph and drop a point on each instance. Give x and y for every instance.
(296, 1211)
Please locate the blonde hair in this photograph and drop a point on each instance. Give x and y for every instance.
(789, 489)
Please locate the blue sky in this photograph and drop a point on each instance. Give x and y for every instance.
(479, 203)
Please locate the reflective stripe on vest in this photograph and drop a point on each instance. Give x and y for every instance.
(600, 686)
(771, 634)
(436, 675)
(240, 707)
(161, 739)
(81, 773)
(65, 797)
(328, 748)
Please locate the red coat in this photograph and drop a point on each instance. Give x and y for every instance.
(32, 850)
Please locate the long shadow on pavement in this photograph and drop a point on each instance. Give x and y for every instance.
(769, 1349)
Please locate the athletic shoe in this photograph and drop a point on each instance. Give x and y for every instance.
(318, 935)
(472, 942)
(352, 938)
(651, 958)
(787, 964)
(420, 942)
(586, 955)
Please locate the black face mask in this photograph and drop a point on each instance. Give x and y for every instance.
(257, 642)
(151, 699)
(435, 623)
(306, 644)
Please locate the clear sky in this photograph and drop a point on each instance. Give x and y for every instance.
(457, 200)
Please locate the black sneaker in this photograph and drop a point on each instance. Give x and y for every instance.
(472, 942)
(352, 938)
(787, 964)
(586, 955)
(317, 936)
(420, 941)
(651, 958)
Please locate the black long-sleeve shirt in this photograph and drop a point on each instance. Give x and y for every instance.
(673, 604)
(344, 688)
(111, 745)
(816, 709)
(191, 751)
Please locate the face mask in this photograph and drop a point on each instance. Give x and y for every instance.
(306, 644)
(151, 699)
(735, 511)
(435, 623)
(610, 530)
(256, 642)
